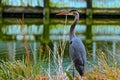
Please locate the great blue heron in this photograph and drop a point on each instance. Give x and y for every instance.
(77, 49)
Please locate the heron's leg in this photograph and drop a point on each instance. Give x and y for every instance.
(82, 78)
(73, 71)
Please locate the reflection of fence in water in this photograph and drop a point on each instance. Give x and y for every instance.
(98, 29)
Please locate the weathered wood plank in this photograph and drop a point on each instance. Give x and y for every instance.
(11, 9)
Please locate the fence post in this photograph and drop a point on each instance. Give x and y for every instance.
(1, 8)
(89, 24)
(89, 19)
(46, 16)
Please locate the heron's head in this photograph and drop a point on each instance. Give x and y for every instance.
(70, 12)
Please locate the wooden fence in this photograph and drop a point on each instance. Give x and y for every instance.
(91, 8)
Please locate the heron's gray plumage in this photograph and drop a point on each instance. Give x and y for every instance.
(78, 54)
(77, 50)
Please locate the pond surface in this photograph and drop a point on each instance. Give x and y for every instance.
(103, 34)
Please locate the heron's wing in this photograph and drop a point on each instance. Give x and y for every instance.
(77, 51)
(78, 55)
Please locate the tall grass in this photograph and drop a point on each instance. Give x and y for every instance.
(105, 68)
(21, 22)
(59, 72)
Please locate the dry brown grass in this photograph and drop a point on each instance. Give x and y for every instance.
(21, 23)
(104, 70)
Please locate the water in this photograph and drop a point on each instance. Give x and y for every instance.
(103, 34)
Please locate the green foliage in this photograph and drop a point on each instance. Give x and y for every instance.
(12, 70)
(69, 75)
(57, 4)
(18, 70)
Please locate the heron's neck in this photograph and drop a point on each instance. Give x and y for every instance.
(72, 28)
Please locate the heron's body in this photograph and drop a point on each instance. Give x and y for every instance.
(78, 54)
(77, 50)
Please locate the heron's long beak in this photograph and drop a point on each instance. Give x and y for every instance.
(64, 13)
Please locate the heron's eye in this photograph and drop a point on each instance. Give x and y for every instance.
(70, 42)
